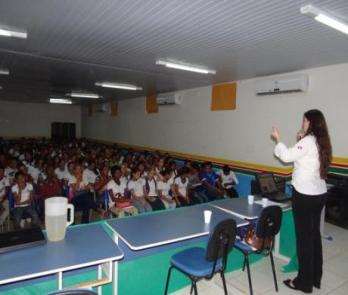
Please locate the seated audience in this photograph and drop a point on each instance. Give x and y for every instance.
(165, 190)
(51, 186)
(80, 170)
(180, 188)
(228, 180)
(61, 170)
(151, 192)
(136, 189)
(4, 205)
(195, 189)
(210, 182)
(80, 194)
(116, 187)
(23, 201)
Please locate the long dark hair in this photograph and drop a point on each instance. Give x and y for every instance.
(318, 128)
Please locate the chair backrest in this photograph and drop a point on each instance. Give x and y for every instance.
(221, 240)
(269, 222)
(74, 292)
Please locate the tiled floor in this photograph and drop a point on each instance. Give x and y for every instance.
(335, 277)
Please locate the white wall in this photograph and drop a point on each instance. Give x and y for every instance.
(34, 119)
(242, 134)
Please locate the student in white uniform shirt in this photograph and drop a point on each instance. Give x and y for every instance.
(228, 180)
(4, 186)
(23, 193)
(311, 156)
(180, 187)
(11, 169)
(60, 171)
(164, 189)
(88, 175)
(151, 191)
(136, 189)
(116, 187)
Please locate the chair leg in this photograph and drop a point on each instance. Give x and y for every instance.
(191, 287)
(244, 263)
(168, 278)
(274, 272)
(249, 274)
(224, 282)
(195, 287)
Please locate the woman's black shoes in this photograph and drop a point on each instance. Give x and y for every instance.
(289, 283)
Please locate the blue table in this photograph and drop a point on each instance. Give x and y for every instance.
(147, 231)
(83, 246)
(239, 207)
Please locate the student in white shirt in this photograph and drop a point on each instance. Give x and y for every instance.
(11, 169)
(88, 175)
(36, 173)
(136, 189)
(228, 180)
(165, 190)
(23, 193)
(180, 188)
(60, 171)
(151, 192)
(4, 205)
(80, 194)
(311, 156)
(116, 187)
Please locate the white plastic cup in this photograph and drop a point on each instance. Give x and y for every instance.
(264, 202)
(56, 212)
(207, 216)
(251, 199)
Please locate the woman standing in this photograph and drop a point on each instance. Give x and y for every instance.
(311, 156)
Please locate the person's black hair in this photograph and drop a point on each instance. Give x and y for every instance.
(183, 170)
(196, 166)
(207, 164)
(318, 128)
(18, 174)
(166, 172)
(114, 169)
(226, 169)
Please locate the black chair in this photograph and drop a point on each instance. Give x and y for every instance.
(268, 226)
(74, 292)
(199, 263)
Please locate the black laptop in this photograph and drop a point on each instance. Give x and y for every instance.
(19, 239)
(269, 189)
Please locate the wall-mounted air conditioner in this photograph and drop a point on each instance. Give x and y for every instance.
(284, 84)
(169, 99)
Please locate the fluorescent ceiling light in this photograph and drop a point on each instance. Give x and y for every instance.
(325, 18)
(118, 86)
(184, 66)
(84, 95)
(60, 101)
(11, 33)
(4, 72)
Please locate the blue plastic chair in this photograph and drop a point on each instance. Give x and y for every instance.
(267, 227)
(198, 263)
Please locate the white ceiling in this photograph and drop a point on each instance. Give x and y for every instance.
(72, 44)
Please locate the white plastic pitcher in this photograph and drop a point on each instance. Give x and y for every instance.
(56, 211)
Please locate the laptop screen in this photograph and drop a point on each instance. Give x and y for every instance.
(267, 184)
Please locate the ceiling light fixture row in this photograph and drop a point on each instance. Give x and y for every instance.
(309, 10)
(325, 18)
